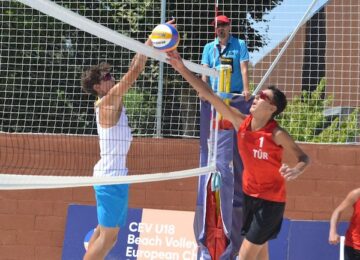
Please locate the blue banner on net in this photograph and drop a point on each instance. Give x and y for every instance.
(229, 164)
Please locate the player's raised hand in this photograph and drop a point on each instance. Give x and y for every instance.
(175, 60)
(246, 94)
(172, 22)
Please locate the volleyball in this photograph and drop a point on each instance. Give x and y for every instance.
(165, 37)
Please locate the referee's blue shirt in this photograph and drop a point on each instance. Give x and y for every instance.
(236, 50)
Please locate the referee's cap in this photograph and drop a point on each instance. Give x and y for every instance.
(221, 19)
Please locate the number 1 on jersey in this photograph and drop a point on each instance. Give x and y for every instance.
(261, 141)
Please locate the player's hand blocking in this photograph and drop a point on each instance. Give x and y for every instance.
(175, 60)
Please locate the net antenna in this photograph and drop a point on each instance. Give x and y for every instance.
(82, 23)
(291, 37)
(342, 246)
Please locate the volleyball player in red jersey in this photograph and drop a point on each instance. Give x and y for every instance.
(261, 143)
(352, 238)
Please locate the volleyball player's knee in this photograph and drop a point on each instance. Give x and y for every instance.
(109, 240)
(113, 241)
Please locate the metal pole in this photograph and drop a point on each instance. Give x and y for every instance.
(161, 80)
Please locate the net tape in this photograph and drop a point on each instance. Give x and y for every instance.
(20, 182)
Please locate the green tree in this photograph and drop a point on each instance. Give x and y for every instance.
(141, 111)
(305, 120)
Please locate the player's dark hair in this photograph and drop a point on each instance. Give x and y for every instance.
(93, 76)
(279, 100)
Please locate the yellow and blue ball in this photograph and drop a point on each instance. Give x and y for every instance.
(165, 37)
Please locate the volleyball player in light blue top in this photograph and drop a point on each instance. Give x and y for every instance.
(114, 139)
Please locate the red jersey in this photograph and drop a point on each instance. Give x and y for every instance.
(262, 159)
(352, 238)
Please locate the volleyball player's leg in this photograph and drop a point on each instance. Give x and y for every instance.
(264, 252)
(94, 236)
(262, 222)
(249, 251)
(102, 244)
(112, 202)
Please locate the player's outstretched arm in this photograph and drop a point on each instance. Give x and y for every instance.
(229, 113)
(135, 69)
(111, 104)
(350, 199)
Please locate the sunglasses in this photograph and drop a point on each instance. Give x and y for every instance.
(106, 77)
(263, 96)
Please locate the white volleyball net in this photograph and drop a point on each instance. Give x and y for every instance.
(48, 126)
(49, 136)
